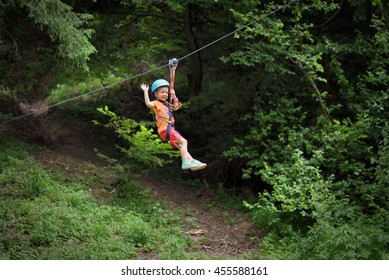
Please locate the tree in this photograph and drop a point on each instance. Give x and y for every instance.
(318, 128)
(36, 37)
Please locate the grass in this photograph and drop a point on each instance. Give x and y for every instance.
(46, 213)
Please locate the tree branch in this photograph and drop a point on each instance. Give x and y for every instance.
(317, 93)
(14, 41)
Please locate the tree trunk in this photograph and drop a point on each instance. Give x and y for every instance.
(196, 76)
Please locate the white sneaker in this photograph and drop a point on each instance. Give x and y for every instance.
(188, 164)
(197, 165)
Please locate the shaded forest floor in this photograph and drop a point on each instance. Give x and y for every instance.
(219, 232)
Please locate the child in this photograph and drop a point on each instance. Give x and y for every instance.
(160, 88)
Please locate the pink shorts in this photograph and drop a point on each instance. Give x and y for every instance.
(174, 136)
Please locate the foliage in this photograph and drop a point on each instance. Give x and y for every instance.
(144, 144)
(37, 40)
(297, 101)
(66, 27)
(325, 195)
(63, 25)
(52, 215)
(311, 217)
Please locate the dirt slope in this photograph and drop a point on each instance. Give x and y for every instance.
(219, 232)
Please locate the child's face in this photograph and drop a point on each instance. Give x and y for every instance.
(162, 93)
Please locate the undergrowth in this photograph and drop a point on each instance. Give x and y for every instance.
(48, 214)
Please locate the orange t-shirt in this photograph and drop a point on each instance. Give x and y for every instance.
(161, 112)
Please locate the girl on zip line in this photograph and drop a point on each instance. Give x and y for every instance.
(165, 121)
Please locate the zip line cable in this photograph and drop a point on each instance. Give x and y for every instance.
(84, 94)
(150, 71)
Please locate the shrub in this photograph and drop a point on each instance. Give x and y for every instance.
(143, 145)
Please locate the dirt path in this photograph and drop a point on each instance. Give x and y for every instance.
(219, 232)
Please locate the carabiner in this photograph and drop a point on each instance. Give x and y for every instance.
(173, 63)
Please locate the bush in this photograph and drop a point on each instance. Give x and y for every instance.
(333, 205)
(143, 145)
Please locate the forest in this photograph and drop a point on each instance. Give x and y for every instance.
(286, 101)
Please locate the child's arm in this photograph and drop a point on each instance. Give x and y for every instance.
(176, 103)
(145, 89)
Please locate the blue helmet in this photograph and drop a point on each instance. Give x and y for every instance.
(159, 83)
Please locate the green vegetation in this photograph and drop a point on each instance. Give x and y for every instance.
(320, 151)
(46, 214)
(145, 146)
(293, 107)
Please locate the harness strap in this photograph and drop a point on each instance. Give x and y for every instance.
(169, 127)
(167, 120)
(170, 123)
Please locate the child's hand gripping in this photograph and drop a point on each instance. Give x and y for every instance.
(176, 103)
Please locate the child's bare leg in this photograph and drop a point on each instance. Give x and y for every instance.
(182, 145)
(187, 161)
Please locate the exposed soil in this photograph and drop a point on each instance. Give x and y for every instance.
(219, 232)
